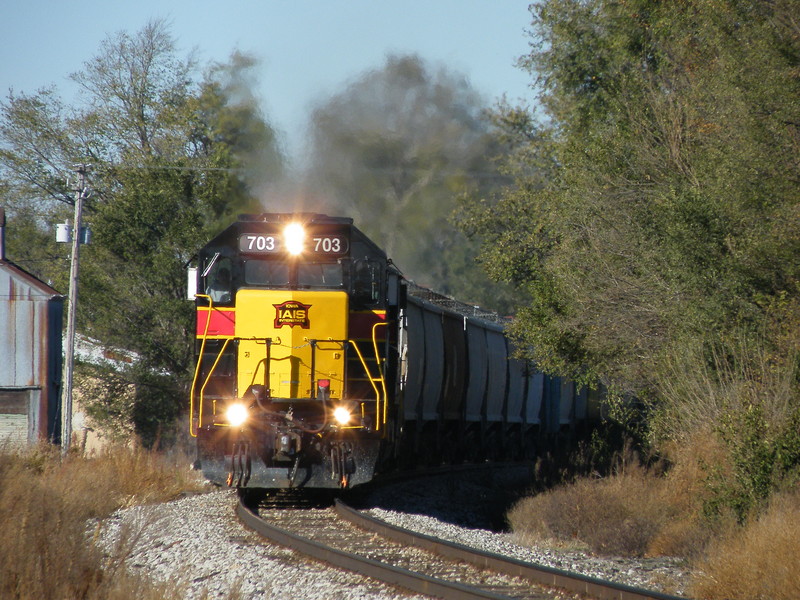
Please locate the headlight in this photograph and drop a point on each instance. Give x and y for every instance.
(342, 415)
(293, 238)
(236, 414)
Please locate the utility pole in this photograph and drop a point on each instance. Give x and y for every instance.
(81, 193)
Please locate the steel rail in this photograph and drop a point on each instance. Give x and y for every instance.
(415, 582)
(542, 574)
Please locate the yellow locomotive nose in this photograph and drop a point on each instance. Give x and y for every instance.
(291, 320)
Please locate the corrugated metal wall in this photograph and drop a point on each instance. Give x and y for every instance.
(30, 355)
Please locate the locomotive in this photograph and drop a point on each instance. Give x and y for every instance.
(318, 365)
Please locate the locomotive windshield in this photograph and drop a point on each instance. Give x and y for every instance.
(269, 273)
(266, 273)
(320, 275)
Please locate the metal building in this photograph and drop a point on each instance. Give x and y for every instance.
(31, 314)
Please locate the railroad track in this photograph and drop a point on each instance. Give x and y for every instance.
(348, 539)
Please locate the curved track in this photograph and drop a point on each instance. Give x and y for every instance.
(347, 539)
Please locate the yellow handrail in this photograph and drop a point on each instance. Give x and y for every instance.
(380, 368)
(372, 381)
(208, 378)
(192, 430)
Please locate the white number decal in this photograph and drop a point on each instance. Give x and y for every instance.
(267, 243)
(261, 243)
(328, 244)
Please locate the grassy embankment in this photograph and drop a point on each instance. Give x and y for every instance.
(641, 512)
(726, 495)
(46, 504)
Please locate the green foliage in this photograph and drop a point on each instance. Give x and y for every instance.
(652, 223)
(157, 405)
(764, 457)
(657, 202)
(172, 157)
(39, 252)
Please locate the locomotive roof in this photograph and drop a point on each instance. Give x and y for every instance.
(227, 236)
(304, 217)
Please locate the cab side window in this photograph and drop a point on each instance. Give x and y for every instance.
(367, 281)
(218, 281)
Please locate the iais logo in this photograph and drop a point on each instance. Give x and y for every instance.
(292, 313)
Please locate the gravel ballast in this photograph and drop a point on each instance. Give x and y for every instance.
(198, 543)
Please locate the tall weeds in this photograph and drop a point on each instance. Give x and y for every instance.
(759, 561)
(636, 511)
(747, 394)
(46, 502)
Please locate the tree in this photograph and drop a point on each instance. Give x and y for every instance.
(395, 150)
(171, 158)
(653, 225)
(656, 206)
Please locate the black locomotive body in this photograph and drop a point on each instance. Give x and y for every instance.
(319, 365)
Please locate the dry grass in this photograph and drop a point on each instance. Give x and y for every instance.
(618, 515)
(635, 512)
(681, 493)
(760, 561)
(45, 503)
(639, 512)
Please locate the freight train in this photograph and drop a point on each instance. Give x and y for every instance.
(319, 365)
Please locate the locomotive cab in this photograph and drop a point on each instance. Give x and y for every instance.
(292, 341)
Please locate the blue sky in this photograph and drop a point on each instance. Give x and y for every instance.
(308, 49)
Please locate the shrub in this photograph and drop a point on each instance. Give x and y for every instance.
(635, 511)
(620, 514)
(763, 457)
(744, 392)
